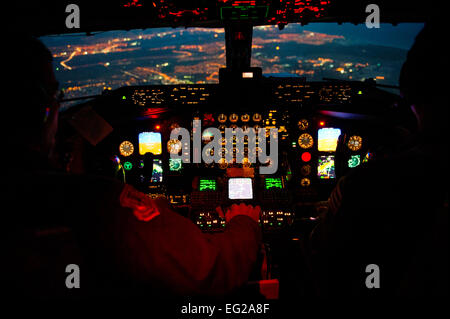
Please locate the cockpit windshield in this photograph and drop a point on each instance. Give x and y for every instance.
(87, 65)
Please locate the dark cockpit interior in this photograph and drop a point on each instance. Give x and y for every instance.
(249, 131)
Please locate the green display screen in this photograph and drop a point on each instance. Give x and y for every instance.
(207, 185)
(272, 182)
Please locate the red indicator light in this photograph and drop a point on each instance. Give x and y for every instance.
(322, 123)
(208, 119)
(306, 157)
(157, 127)
(239, 36)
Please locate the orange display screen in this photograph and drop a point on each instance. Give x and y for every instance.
(150, 142)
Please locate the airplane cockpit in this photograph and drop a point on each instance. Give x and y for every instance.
(206, 104)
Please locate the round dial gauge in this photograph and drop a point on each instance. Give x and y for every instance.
(223, 163)
(126, 148)
(355, 143)
(246, 162)
(305, 140)
(175, 165)
(245, 118)
(173, 146)
(257, 117)
(223, 141)
(305, 170)
(223, 152)
(303, 124)
(234, 118)
(305, 182)
(222, 118)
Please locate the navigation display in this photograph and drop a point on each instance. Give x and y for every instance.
(157, 172)
(328, 138)
(150, 142)
(271, 182)
(240, 188)
(325, 168)
(207, 185)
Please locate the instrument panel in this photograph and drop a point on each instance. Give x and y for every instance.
(314, 148)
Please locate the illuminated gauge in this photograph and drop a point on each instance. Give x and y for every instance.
(305, 170)
(305, 182)
(211, 152)
(127, 166)
(175, 165)
(233, 139)
(207, 136)
(303, 124)
(234, 118)
(257, 117)
(173, 146)
(245, 118)
(223, 152)
(355, 160)
(223, 163)
(246, 162)
(355, 143)
(222, 118)
(126, 148)
(256, 150)
(305, 140)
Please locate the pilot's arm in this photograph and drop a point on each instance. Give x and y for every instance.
(169, 251)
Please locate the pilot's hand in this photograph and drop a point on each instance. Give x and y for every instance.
(241, 209)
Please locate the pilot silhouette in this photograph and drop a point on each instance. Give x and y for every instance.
(123, 241)
(390, 211)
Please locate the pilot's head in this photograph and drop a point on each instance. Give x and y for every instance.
(33, 88)
(422, 81)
